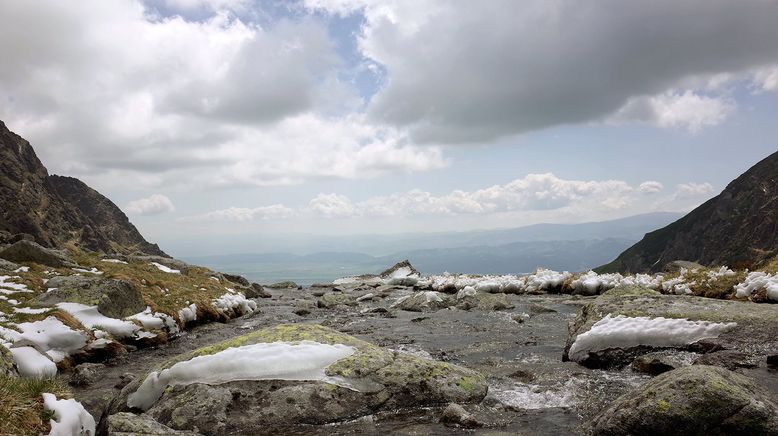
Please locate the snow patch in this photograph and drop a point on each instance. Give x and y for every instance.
(92, 318)
(188, 313)
(626, 332)
(166, 269)
(234, 303)
(50, 336)
(114, 261)
(32, 363)
(305, 360)
(70, 417)
(756, 281)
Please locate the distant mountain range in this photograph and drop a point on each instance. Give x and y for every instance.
(573, 247)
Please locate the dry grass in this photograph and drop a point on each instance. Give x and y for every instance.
(21, 405)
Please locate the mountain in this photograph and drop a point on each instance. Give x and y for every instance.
(738, 227)
(59, 211)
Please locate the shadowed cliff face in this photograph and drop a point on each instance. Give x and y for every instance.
(739, 228)
(59, 210)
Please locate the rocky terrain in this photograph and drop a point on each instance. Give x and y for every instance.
(58, 211)
(738, 227)
(100, 333)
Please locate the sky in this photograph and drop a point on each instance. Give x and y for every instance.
(227, 118)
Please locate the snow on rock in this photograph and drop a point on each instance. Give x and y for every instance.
(166, 269)
(156, 320)
(234, 303)
(402, 276)
(31, 363)
(31, 310)
(70, 417)
(756, 281)
(188, 313)
(305, 360)
(545, 280)
(467, 291)
(22, 269)
(114, 261)
(626, 332)
(50, 336)
(92, 318)
(88, 271)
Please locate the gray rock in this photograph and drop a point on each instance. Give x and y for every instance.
(484, 301)
(658, 363)
(234, 278)
(368, 296)
(130, 424)
(454, 414)
(124, 380)
(113, 298)
(381, 379)
(757, 324)
(425, 301)
(86, 374)
(695, 400)
(730, 359)
(257, 291)
(333, 299)
(28, 251)
(283, 285)
(167, 261)
(7, 266)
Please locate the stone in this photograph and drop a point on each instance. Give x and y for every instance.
(86, 374)
(8, 266)
(124, 380)
(454, 414)
(657, 363)
(368, 296)
(234, 278)
(694, 400)
(757, 324)
(114, 298)
(130, 424)
(484, 301)
(333, 299)
(730, 359)
(301, 312)
(28, 251)
(772, 360)
(384, 380)
(257, 291)
(423, 301)
(283, 285)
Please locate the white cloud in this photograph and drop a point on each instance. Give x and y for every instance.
(688, 110)
(767, 78)
(650, 187)
(241, 214)
(153, 205)
(332, 206)
(475, 71)
(690, 190)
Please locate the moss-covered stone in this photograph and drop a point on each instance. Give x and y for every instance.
(695, 400)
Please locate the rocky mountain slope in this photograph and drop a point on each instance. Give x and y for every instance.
(738, 227)
(59, 211)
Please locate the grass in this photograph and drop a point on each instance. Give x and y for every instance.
(21, 405)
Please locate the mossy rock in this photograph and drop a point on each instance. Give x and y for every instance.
(113, 298)
(695, 400)
(334, 299)
(373, 378)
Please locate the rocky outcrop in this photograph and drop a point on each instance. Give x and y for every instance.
(113, 298)
(738, 228)
(129, 424)
(27, 251)
(695, 400)
(369, 380)
(59, 211)
(748, 328)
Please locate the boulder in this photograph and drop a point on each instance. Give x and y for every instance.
(695, 400)
(423, 301)
(234, 278)
(402, 273)
(7, 266)
(456, 415)
(483, 301)
(114, 298)
(257, 291)
(369, 380)
(28, 251)
(129, 424)
(283, 285)
(86, 374)
(740, 326)
(333, 299)
(730, 359)
(658, 363)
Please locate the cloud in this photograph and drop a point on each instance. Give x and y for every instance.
(650, 187)
(153, 205)
(475, 71)
(688, 190)
(332, 206)
(241, 214)
(687, 110)
(107, 90)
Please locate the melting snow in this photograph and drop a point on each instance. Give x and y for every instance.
(70, 417)
(625, 332)
(166, 269)
(90, 317)
(234, 302)
(756, 281)
(31, 363)
(305, 360)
